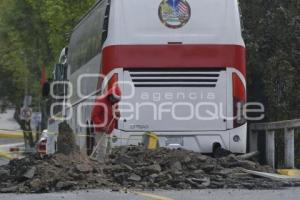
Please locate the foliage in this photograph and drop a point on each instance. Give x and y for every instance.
(272, 33)
(60, 16)
(32, 33)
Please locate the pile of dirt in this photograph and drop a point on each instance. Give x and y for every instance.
(66, 141)
(135, 167)
(68, 169)
(132, 167)
(59, 172)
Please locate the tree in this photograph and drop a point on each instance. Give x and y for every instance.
(32, 33)
(272, 29)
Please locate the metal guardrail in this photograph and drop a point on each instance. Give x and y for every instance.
(270, 129)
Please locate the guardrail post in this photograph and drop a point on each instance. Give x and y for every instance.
(289, 148)
(270, 148)
(253, 140)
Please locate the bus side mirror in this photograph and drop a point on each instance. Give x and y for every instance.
(60, 88)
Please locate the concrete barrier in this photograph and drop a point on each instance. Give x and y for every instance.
(270, 129)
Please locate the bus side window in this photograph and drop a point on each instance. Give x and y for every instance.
(86, 39)
(105, 24)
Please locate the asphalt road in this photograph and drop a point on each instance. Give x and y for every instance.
(3, 161)
(287, 194)
(10, 141)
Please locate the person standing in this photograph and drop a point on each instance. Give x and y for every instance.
(105, 115)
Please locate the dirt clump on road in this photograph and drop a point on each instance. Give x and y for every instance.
(133, 167)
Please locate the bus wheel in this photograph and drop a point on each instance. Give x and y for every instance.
(219, 152)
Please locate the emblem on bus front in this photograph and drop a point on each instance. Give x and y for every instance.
(174, 13)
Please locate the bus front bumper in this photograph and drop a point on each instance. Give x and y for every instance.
(234, 140)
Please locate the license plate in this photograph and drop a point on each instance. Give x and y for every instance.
(174, 141)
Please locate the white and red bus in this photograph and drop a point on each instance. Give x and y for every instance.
(182, 65)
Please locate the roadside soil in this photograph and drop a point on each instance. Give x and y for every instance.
(133, 167)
